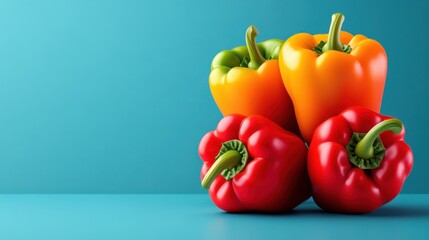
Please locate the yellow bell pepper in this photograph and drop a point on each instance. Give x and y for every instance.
(323, 76)
(246, 80)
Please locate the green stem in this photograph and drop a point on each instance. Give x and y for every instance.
(364, 148)
(256, 58)
(227, 160)
(334, 39)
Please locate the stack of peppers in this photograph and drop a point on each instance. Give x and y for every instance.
(323, 91)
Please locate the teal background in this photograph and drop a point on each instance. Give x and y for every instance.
(194, 216)
(112, 96)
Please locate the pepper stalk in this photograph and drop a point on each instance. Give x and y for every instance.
(231, 159)
(256, 58)
(334, 37)
(366, 150)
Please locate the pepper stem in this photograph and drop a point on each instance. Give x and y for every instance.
(364, 148)
(256, 58)
(334, 40)
(227, 160)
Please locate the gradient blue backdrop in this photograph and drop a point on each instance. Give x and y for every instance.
(112, 96)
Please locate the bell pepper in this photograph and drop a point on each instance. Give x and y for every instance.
(252, 164)
(358, 161)
(323, 76)
(246, 80)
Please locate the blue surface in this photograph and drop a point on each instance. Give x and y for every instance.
(195, 217)
(112, 96)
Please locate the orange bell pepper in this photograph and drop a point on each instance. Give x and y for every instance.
(246, 80)
(323, 76)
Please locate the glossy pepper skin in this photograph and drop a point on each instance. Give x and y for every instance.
(325, 78)
(265, 165)
(246, 80)
(358, 173)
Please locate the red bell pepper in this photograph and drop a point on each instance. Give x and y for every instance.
(358, 161)
(252, 164)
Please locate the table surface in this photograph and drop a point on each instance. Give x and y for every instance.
(193, 216)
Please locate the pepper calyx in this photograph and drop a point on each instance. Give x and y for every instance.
(334, 37)
(366, 150)
(319, 48)
(231, 159)
(238, 146)
(365, 163)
